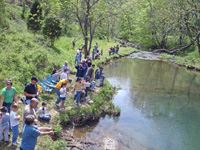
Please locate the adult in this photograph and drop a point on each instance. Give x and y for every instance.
(9, 95)
(90, 73)
(99, 77)
(94, 52)
(80, 71)
(89, 61)
(66, 67)
(55, 76)
(30, 109)
(31, 133)
(64, 75)
(78, 57)
(85, 67)
(30, 90)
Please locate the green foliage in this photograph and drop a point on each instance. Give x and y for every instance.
(2, 13)
(35, 17)
(46, 142)
(57, 130)
(52, 28)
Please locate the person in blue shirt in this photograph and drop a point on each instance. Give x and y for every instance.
(31, 133)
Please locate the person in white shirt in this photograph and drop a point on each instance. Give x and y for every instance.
(14, 122)
(63, 95)
(43, 114)
(64, 75)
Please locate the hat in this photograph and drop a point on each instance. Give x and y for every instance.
(34, 78)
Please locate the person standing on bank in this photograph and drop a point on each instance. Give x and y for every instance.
(9, 95)
(31, 91)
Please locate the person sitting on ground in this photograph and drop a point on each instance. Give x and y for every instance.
(55, 76)
(31, 133)
(110, 51)
(9, 94)
(80, 71)
(14, 123)
(4, 124)
(78, 89)
(63, 95)
(30, 108)
(43, 115)
(64, 75)
(30, 90)
(97, 56)
(90, 73)
(117, 49)
(58, 87)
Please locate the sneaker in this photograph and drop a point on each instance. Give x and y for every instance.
(15, 144)
(7, 142)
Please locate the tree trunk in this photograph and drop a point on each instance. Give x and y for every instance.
(198, 44)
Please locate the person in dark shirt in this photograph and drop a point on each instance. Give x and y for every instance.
(30, 90)
(80, 71)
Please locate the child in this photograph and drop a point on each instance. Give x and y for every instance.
(87, 86)
(43, 115)
(78, 88)
(63, 95)
(31, 133)
(4, 124)
(14, 122)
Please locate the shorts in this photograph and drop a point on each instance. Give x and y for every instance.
(62, 98)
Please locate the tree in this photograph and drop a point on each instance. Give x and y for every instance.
(52, 29)
(89, 14)
(2, 14)
(35, 17)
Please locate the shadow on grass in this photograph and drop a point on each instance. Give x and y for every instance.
(58, 51)
(5, 146)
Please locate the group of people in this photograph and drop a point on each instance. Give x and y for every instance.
(113, 50)
(87, 78)
(9, 116)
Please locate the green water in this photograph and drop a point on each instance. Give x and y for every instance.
(160, 107)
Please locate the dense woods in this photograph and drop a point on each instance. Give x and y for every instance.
(154, 24)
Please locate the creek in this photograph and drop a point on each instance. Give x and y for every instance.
(160, 108)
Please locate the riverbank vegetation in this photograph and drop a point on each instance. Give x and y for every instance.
(31, 43)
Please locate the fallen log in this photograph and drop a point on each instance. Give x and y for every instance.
(174, 51)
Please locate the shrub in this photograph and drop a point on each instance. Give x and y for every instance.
(52, 29)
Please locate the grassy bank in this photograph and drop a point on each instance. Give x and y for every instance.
(190, 60)
(29, 54)
(101, 105)
(23, 54)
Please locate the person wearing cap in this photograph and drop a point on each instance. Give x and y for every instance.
(9, 95)
(30, 90)
(31, 133)
(58, 87)
(4, 124)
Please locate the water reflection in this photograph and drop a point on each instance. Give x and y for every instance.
(160, 107)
